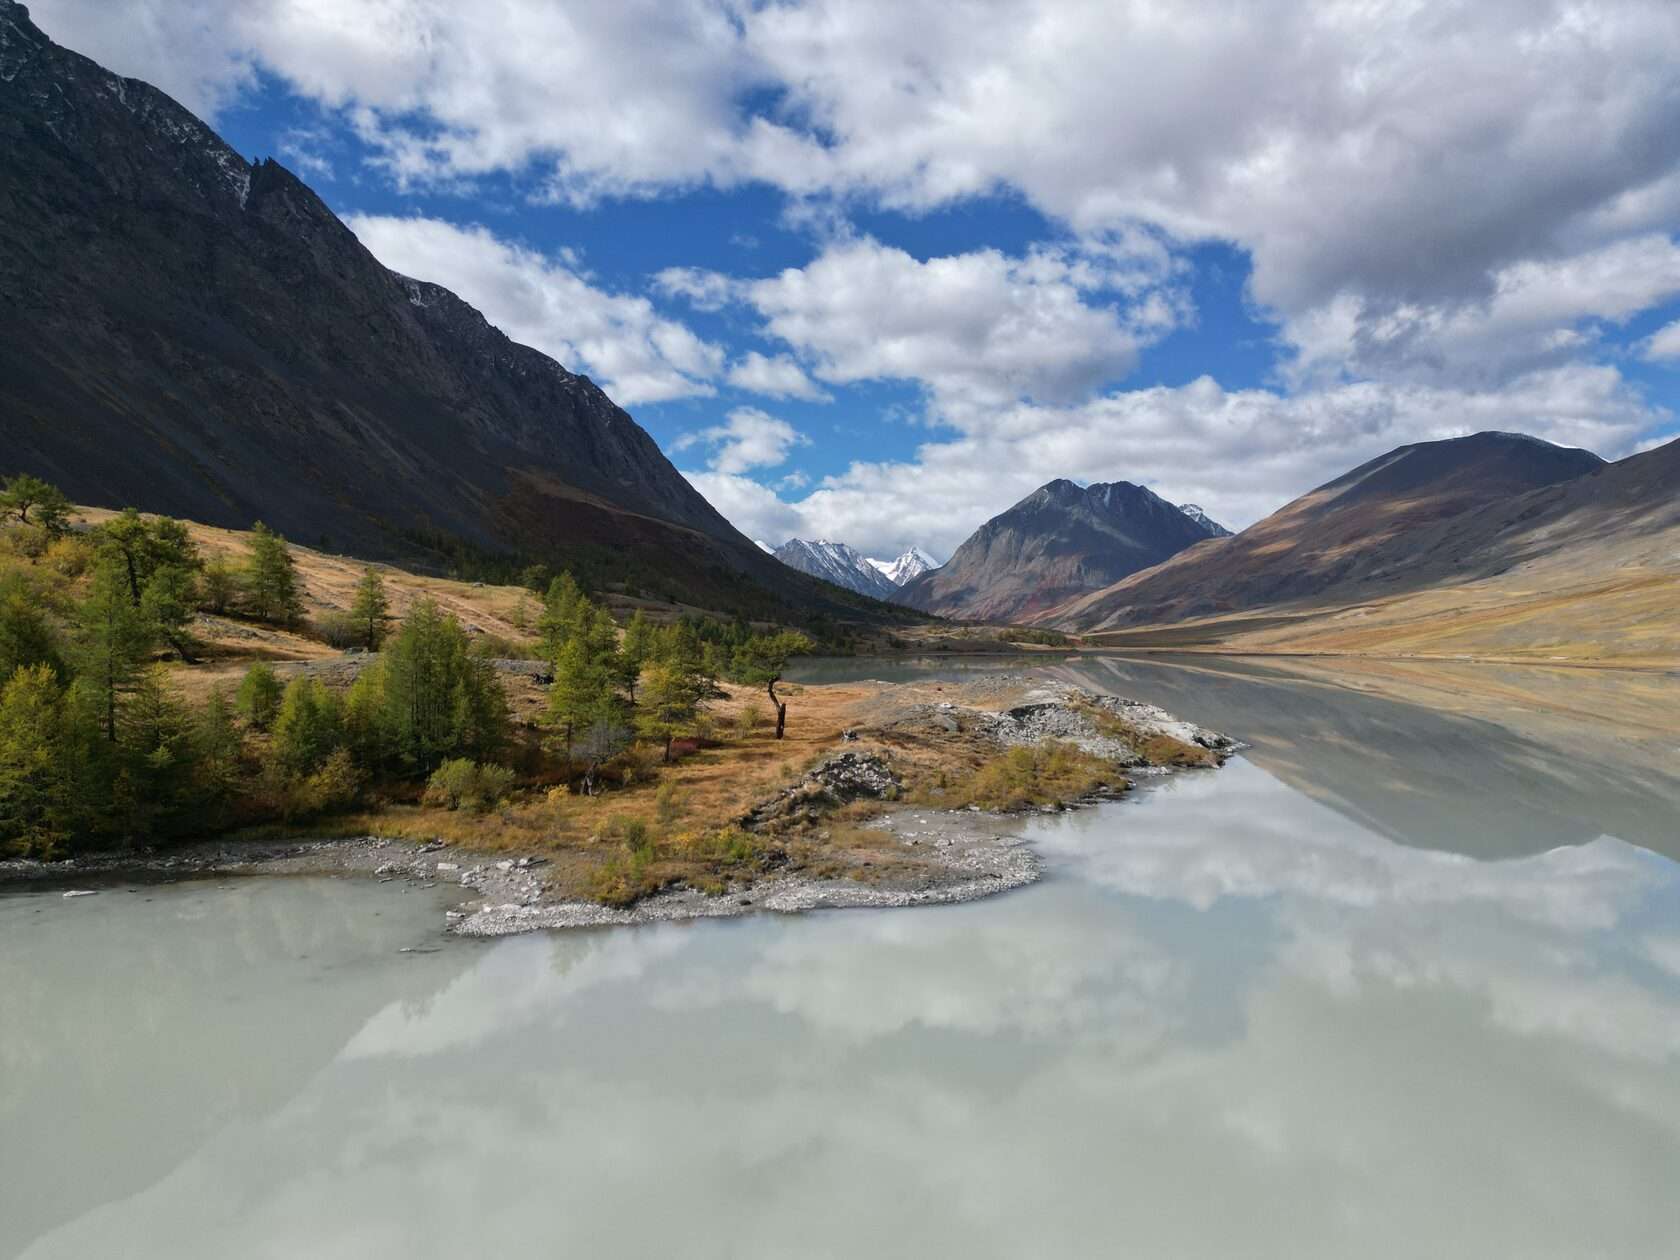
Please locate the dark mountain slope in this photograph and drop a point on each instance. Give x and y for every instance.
(1058, 542)
(1368, 527)
(189, 333)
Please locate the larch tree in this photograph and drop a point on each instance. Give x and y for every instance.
(371, 609)
(763, 659)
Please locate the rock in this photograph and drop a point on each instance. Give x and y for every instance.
(81, 892)
(448, 866)
(504, 866)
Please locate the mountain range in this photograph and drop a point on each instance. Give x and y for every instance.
(837, 563)
(1495, 543)
(192, 333)
(1061, 541)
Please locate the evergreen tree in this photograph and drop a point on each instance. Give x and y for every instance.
(115, 638)
(218, 749)
(585, 690)
(637, 648)
(258, 697)
(218, 586)
(33, 787)
(26, 638)
(271, 589)
(160, 562)
(367, 727)
(670, 701)
(561, 607)
(24, 494)
(309, 729)
(440, 701)
(370, 610)
(157, 759)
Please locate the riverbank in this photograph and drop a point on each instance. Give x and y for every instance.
(914, 798)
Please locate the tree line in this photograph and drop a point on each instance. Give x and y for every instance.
(97, 748)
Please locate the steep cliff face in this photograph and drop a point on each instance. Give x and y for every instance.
(1059, 542)
(191, 333)
(1402, 516)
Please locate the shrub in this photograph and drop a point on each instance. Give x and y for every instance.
(667, 804)
(332, 787)
(339, 630)
(1040, 775)
(463, 783)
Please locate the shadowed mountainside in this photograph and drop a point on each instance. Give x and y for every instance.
(1060, 541)
(193, 334)
(1586, 569)
(1364, 527)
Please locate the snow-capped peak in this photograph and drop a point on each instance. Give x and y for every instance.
(1213, 527)
(912, 564)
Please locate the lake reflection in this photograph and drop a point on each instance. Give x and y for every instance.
(1235, 1019)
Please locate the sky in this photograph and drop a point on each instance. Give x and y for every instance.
(874, 271)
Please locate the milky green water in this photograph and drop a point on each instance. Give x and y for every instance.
(1247, 1013)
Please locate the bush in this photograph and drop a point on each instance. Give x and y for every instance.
(258, 698)
(331, 788)
(667, 804)
(339, 630)
(1042, 775)
(463, 783)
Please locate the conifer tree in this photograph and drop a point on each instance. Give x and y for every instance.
(33, 789)
(24, 494)
(258, 697)
(115, 638)
(762, 659)
(271, 578)
(370, 610)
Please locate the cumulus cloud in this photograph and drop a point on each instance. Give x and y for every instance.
(1371, 149)
(635, 353)
(748, 439)
(979, 328)
(775, 376)
(1239, 453)
(1663, 346)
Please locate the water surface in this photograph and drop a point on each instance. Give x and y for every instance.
(1290, 1009)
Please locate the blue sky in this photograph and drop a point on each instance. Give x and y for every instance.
(874, 271)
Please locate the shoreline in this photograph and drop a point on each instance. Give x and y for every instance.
(931, 854)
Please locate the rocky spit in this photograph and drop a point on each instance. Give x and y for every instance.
(963, 854)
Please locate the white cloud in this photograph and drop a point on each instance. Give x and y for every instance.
(636, 354)
(775, 376)
(748, 439)
(980, 328)
(1396, 154)
(1664, 344)
(1239, 453)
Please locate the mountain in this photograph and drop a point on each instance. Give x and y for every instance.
(1213, 527)
(1059, 542)
(912, 564)
(1370, 527)
(192, 333)
(837, 563)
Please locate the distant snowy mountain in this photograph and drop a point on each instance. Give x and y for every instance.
(764, 546)
(912, 564)
(1213, 527)
(836, 562)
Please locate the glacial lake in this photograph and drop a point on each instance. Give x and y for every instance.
(1402, 980)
